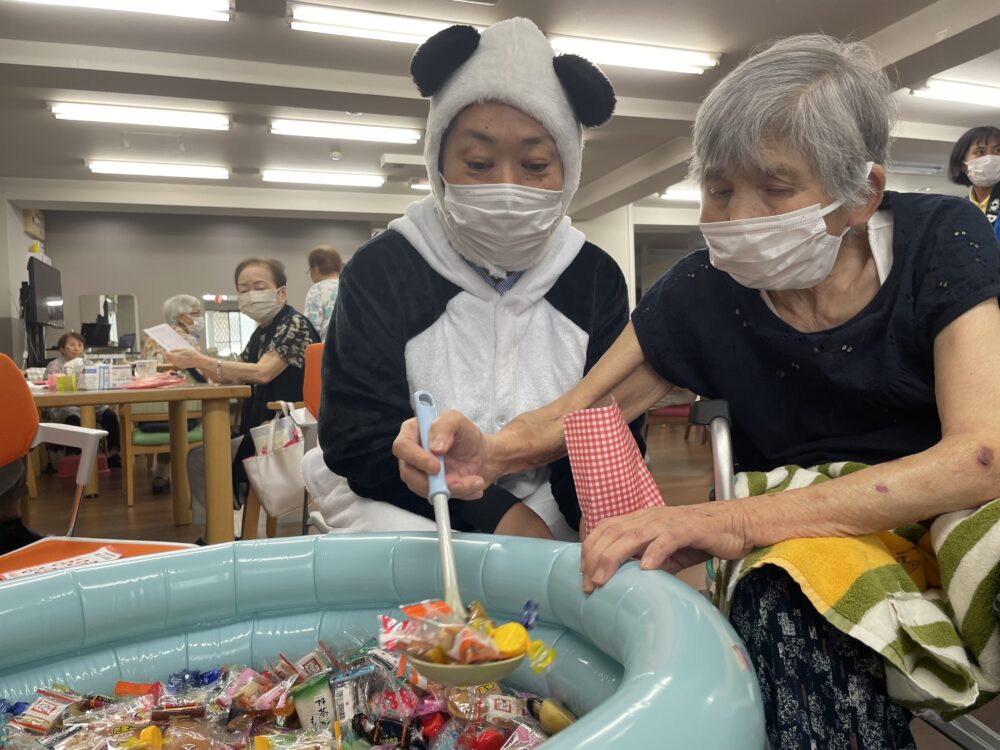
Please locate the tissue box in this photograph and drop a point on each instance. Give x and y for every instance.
(120, 375)
(89, 378)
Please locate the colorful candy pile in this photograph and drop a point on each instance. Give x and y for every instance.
(361, 696)
(437, 634)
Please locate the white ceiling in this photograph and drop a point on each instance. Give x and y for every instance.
(257, 67)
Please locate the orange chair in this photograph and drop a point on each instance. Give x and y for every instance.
(22, 431)
(306, 416)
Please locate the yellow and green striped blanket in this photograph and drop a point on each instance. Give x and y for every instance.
(923, 598)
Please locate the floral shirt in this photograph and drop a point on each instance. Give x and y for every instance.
(320, 300)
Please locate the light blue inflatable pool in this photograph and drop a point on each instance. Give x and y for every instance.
(646, 662)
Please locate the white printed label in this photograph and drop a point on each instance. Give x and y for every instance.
(104, 554)
(343, 701)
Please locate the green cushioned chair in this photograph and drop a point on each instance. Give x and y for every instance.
(135, 442)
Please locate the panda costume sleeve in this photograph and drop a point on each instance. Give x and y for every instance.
(417, 312)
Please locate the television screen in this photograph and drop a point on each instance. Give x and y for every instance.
(46, 299)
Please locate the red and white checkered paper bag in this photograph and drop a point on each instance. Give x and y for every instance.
(610, 475)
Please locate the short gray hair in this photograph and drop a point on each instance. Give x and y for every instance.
(829, 100)
(179, 304)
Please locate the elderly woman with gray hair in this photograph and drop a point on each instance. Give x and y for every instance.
(183, 313)
(841, 322)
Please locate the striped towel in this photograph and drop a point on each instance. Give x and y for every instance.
(922, 598)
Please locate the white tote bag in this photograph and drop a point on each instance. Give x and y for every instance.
(275, 473)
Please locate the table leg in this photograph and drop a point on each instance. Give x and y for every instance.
(218, 471)
(179, 488)
(88, 418)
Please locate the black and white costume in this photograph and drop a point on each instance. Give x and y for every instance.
(414, 314)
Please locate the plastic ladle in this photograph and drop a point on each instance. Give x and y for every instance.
(455, 675)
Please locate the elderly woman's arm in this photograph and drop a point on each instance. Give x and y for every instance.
(270, 366)
(474, 461)
(961, 471)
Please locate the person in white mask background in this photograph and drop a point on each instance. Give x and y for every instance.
(483, 294)
(272, 364)
(975, 163)
(183, 313)
(841, 322)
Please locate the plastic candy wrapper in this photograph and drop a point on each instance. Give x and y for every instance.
(45, 711)
(307, 740)
(435, 633)
(524, 737)
(190, 734)
(19, 739)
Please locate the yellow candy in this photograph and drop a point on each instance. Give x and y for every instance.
(512, 639)
(540, 656)
(153, 737)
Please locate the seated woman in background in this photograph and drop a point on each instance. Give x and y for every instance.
(975, 163)
(71, 346)
(483, 293)
(182, 312)
(324, 270)
(272, 364)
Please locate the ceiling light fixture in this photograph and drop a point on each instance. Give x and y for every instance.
(207, 10)
(148, 169)
(956, 91)
(358, 23)
(339, 179)
(628, 55)
(408, 30)
(424, 185)
(913, 168)
(165, 118)
(344, 131)
(401, 160)
(681, 194)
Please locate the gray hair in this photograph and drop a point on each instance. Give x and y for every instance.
(829, 100)
(179, 304)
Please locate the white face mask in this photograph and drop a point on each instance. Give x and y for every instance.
(983, 171)
(502, 228)
(787, 251)
(261, 304)
(197, 325)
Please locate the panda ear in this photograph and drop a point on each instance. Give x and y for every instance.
(589, 90)
(440, 56)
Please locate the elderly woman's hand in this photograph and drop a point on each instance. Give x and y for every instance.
(668, 538)
(185, 358)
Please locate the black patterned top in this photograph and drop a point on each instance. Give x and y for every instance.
(862, 391)
(287, 335)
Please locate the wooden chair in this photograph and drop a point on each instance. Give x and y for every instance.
(135, 442)
(663, 413)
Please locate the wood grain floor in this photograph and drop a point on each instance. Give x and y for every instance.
(682, 469)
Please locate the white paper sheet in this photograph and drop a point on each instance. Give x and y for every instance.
(167, 337)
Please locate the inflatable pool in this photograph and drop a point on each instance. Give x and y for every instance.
(645, 662)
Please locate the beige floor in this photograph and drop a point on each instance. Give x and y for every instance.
(682, 469)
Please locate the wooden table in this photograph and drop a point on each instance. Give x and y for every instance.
(215, 423)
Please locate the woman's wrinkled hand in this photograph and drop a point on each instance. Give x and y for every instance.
(184, 358)
(454, 437)
(671, 538)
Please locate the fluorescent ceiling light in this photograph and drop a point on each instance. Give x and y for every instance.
(955, 91)
(357, 23)
(341, 179)
(147, 169)
(408, 30)
(907, 168)
(628, 55)
(344, 131)
(208, 10)
(167, 118)
(414, 185)
(401, 160)
(682, 194)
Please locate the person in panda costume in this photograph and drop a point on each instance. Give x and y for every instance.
(483, 293)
